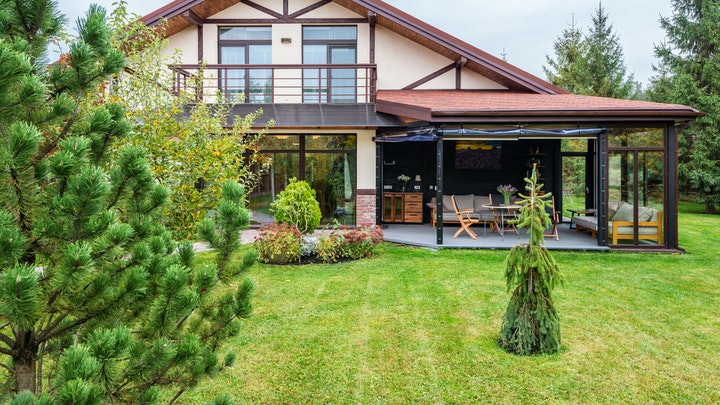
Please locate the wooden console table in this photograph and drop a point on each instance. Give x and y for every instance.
(402, 207)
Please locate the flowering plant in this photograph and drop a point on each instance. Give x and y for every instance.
(507, 190)
(403, 180)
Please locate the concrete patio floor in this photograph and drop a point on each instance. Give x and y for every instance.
(426, 236)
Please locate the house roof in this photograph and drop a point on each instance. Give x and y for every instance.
(512, 106)
(181, 14)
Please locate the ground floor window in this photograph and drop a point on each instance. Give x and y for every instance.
(327, 162)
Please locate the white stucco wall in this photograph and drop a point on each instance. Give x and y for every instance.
(400, 61)
(187, 41)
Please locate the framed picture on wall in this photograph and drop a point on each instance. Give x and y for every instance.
(478, 155)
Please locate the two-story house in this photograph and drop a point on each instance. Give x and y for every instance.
(363, 94)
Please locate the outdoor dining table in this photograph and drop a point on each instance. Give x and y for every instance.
(503, 209)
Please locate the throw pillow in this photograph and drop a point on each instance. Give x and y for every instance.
(465, 202)
(624, 212)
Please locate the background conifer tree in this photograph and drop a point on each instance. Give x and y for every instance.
(689, 73)
(592, 64)
(98, 304)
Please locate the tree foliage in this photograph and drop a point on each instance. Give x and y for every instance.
(297, 205)
(531, 324)
(567, 70)
(98, 304)
(689, 74)
(591, 64)
(194, 147)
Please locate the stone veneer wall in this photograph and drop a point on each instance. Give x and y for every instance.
(365, 207)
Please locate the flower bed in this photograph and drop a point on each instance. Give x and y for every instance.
(283, 244)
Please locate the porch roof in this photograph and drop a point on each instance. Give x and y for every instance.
(326, 116)
(517, 107)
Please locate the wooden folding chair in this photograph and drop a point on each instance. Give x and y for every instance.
(465, 220)
(555, 220)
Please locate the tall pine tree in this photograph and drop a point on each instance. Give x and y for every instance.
(591, 64)
(98, 304)
(689, 73)
(567, 70)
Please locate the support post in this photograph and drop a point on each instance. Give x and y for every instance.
(601, 213)
(439, 190)
(670, 225)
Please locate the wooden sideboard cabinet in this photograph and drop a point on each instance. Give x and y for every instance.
(402, 207)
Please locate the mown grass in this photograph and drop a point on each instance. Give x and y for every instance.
(420, 326)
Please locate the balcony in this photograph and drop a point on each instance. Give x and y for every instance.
(267, 84)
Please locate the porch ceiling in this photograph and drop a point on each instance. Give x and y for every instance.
(517, 107)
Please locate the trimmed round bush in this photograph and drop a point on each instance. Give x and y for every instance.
(297, 205)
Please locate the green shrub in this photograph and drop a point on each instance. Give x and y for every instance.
(278, 244)
(298, 206)
(349, 243)
(330, 248)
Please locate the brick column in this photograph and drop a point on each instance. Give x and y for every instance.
(365, 207)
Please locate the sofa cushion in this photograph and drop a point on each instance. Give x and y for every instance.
(653, 216)
(481, 200)
(464, 202)
(612, 209)
(645, 213)
(624, 212)
(628, 230)
(587, 222)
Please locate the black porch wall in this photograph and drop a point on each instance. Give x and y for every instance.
(412, 158)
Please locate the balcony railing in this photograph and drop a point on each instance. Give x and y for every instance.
(353, 83)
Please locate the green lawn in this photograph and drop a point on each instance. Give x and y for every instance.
(419, 326)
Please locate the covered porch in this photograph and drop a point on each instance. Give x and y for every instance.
(468, 142)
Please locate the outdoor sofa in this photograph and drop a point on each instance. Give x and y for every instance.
(620, 223)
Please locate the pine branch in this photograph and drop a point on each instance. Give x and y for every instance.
(175, 398)
(7, 340)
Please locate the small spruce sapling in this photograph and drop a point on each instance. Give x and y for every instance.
(531, 324)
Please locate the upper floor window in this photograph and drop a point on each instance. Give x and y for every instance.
(245, 46)
(329, 45)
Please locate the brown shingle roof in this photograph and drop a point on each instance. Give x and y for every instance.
(510, 106)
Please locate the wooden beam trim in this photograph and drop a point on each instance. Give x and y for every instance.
(201, 36)
(309, 8)
(430, 77)
(371, 20)
(458, 72)
(193, 18)
(286, 21)
(263, 9)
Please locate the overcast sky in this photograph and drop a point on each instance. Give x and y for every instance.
(524, 30)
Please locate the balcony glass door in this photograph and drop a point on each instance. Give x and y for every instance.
(246, 45)
(329, 46)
